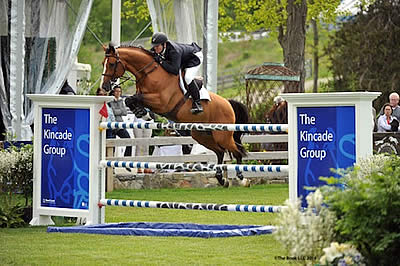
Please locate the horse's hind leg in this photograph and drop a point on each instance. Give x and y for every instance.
(243, 181)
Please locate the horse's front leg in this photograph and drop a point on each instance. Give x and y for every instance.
(219, 174)
(135, 103)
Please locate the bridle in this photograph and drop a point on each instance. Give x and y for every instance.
(113, 76)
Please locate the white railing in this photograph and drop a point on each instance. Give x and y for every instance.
(161, 141)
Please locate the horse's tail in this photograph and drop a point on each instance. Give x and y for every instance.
(241, 117)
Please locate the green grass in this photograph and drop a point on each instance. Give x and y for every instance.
(34, 246)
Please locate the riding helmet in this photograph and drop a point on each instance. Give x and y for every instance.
(158, 38)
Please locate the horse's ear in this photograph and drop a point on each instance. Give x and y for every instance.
(111, 46)
(104, 47)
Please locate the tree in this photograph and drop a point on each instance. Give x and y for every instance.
(100, 21)
(365, 51)
(288, 18)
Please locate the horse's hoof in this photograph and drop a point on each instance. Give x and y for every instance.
(245, 182)
(221, 181)
(226, 185)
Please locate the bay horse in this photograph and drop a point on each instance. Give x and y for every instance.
(159, 91)
(277, 115)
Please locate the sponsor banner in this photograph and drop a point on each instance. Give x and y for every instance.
(326, 141)
(65, 158)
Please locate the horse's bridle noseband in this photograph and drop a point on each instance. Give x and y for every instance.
(113, 77)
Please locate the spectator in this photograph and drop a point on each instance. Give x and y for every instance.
(119, 110)
(66, 89)
(394, 103)
(387, 122)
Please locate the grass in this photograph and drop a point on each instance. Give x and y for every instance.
(36, 247)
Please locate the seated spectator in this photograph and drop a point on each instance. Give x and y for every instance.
(387, 122)
(394, 103)
(119, 110)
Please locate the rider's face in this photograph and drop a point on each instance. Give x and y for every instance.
(158, 48)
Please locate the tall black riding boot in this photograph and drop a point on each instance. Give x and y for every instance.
(196, 104)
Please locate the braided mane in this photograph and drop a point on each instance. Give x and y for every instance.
(137, 47)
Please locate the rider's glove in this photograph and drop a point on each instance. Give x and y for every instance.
(157, 58)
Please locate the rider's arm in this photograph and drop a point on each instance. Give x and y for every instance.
(172, 63)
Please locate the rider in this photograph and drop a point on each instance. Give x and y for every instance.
(174, 56)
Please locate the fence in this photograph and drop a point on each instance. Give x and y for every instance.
(211, 158)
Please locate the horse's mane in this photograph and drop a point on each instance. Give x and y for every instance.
(137, 47)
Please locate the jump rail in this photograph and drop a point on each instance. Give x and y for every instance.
(200, 127)
(191, 206)
(197, 166)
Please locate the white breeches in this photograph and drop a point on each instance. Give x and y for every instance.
(191, 73)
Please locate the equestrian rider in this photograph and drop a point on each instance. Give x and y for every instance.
(174, 56)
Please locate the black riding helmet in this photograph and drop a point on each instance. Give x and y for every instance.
(158, 38)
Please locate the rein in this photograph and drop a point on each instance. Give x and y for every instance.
(144, 74)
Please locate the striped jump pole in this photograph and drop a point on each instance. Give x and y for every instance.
(191, 206)
(273, 128)
(284, 169)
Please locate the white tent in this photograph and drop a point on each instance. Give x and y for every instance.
(39, 44)
(40, 49)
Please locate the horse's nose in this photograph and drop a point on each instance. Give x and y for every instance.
(106, 86)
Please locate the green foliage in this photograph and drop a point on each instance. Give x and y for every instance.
(368, 208)
(134, 17)
(268, 14)
(11, 216)
(16, 171)
(364, 52)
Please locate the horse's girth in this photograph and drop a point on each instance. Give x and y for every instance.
(172, 114)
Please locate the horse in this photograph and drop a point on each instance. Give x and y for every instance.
(278, 112)
(159, 91)
(277, 115)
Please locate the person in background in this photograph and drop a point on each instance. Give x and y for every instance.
(394, 103)
(119, 110)
(386, 122)
(66, 89)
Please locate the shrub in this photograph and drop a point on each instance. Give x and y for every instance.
(368, 208)
(305, 233)
(16, 177)
(11, 216)
(16, 171)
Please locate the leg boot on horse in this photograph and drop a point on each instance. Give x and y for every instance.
(194, 92)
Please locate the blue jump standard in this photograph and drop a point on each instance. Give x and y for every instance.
(167, 229)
